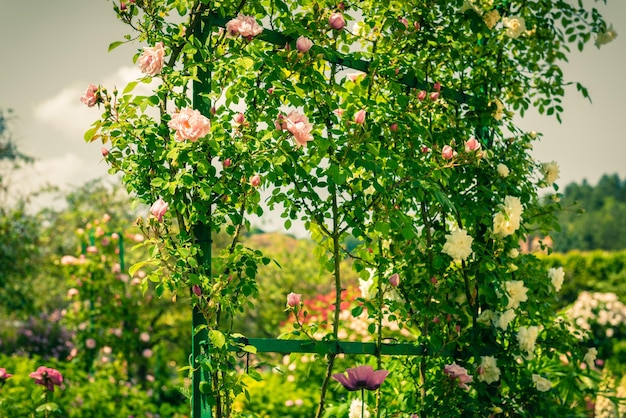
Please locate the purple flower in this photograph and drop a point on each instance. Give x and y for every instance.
(361, 377)
(47, 377)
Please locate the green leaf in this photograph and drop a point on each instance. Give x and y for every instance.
(135, 267)
(115, 44)
(217, 338)
(249, 349)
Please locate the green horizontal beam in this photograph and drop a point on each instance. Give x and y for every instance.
(274, 345)
(335, 57)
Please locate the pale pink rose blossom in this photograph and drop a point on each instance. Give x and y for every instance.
(338, 112)
(90, 343)
(354, 77)
(158, 209)
(90, 96)
(437, 86)
(294, 299)
(255, 181)
(239, 118)
(303, 44)
(359, 117)
(151, 59)
(245, 26)
(189, 124)
(298, 125)
(394, 280)
(336, 21)
(227, 163)
(72, 292)
(472, 144)
(68, 260)
(105, 152)
(404, 21)
(434, 95)
(448, 152)
(421, 95)
(454, 371)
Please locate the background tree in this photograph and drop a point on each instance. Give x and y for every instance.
(592, 219)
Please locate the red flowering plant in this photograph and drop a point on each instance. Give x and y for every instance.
(418, 157)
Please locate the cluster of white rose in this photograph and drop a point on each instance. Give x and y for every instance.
(458, 244)
(602, 310)
(551, 172)
(557, 276)
(508, 219)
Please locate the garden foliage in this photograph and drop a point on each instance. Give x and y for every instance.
(257, 106)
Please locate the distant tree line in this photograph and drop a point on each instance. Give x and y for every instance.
(593, 217)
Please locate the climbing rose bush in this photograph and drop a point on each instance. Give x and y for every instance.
(398, 132)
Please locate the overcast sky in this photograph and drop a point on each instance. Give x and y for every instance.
(51, 50)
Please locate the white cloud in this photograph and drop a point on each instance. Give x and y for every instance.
(67, 115)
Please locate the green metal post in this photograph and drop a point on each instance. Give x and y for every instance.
(201, 408)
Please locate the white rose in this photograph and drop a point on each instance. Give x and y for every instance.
(489, 372)
(541, 383)
(556, 275)
(503, 171)
(517, 293)
(515, 26)
(458, 244)
(550, 172)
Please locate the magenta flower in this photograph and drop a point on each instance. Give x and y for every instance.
(361, 377)
(4, 375)
(47, 377)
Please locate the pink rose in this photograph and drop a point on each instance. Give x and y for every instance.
(434, 95)
(294, 299)
(105, 152)
(336, 21)
(239, 118)
(303, 44)
(90, 96)
(245, 26)
(394, 127)
(298, 125)
(448, 153)
(472, 144)
(158, 209)
(394, 280)
(72, 292)
(227, 163)
(421, 95)
(47, 377)
(437, 86)
(151, 59)
(359, 117)
(404, 21)
(189, 124)
(454, 371)
(255, 181)
(4, 375)
(197, 290)
(90, 343)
